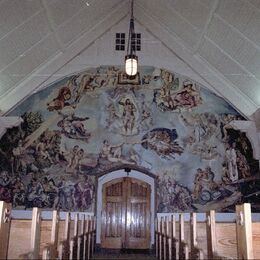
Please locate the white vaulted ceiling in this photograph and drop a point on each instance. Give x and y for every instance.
(218, 39)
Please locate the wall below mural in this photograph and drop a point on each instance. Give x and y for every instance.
(92, 122)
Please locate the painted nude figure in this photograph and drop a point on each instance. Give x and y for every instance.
(128, 116)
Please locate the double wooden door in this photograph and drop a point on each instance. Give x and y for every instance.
(126, 214)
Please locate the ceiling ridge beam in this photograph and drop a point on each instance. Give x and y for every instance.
(162, 24)
(52, 25)
(197, 64)
(211, 15)
(55, 64)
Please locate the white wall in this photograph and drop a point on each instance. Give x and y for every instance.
(119, 174)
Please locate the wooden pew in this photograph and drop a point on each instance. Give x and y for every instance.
(244, 232)
(51, 250)
(35, 236)
(64, 248)
(5, 218)
(183, 247)
(196, 252)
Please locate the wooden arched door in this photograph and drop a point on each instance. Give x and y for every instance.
(126, 214)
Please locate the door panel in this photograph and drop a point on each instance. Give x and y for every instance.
(126, 214)
(113, 214)
(138, 215)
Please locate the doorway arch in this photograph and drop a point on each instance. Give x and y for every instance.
(120, 174)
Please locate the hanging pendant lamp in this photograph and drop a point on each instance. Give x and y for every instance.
(131, 59)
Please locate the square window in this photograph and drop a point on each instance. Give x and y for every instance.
(120, 42)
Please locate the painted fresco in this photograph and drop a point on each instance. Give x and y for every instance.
(98, 120)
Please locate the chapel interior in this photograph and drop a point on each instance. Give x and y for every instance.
(129, 129)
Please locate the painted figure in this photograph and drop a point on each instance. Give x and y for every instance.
(162, 141)
(61, 100)
(128, 116)
(73, 127)
(19, 157)
(113, 153)
(231, 158)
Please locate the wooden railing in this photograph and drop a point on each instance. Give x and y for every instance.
(170, 246)
(175, 238)
(79, 245)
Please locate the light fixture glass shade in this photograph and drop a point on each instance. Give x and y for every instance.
(131, 62)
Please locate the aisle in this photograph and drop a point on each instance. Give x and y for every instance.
(123, 255)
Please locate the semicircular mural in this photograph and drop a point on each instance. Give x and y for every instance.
(92, 121)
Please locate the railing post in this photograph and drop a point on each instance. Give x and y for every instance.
(164, 237)
(156, 237)
(89, 238)
(211, 233)
(168, 233)
(196, 252)
(64, 246)
(85, 251)
(161, 239)
(80, 248)
(55, 233)
(93, 232)
(73, 241)
(35, 232)
(183, 247)
(244, 231)
(5, 218)
(193, 232)
(175, 248)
